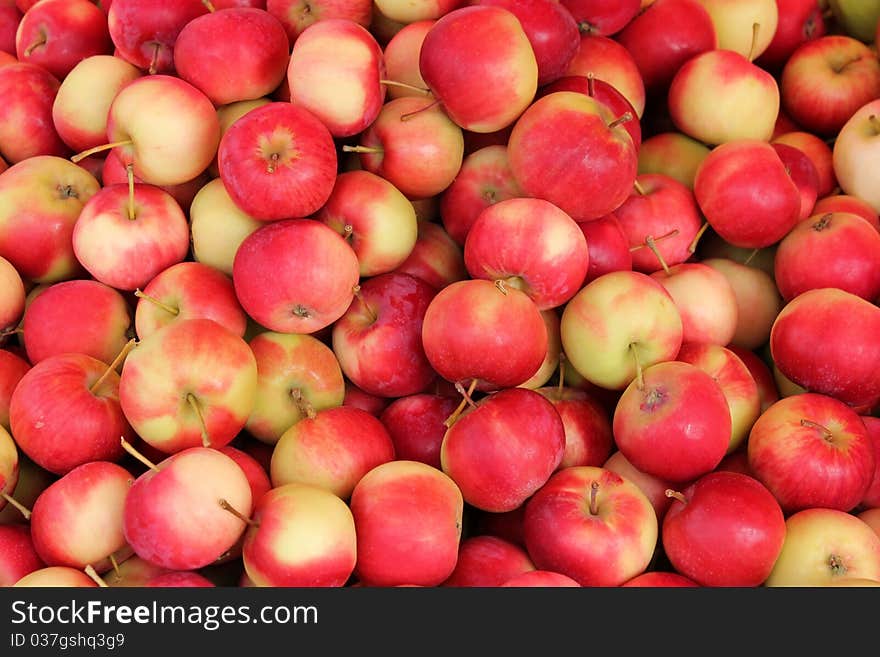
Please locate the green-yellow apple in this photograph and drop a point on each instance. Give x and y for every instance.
(55, 577)
(858, 18)
(735, 22)
(857, 143)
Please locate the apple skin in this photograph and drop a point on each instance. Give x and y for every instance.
(289, 365)
(55, 323)
(304, 536)
(124, 253)
(673, 154)
(720, 96)
(232, 54)
(435, 258)
(485, 178)
(851, 204)
(653, 487)
(728, 530)
(12, 295)
(761, 373)
(19, 556)
(10, 17)
(588, 436)
(59, 422)
(194, 290)
(9, 467)
(826, 80)
(602, 548)
(597, 17)
(844, 367)
(189, 357)
(820, 155)
(607, 319)
(179, 579)
(56, 577)
(504, 449)
(791, 454)
(872, 518)
(334, 72)
(677, 426)
(12, 369)
(60, 33)
(835, 249)
(172, 517)
(461, 347)
(408, 519)
(87, 502)
(658, 579)
(416, 426)
(871, 498)
(505, 55)
(541, 579)
(32, 480)
(803, 173)
(746, 194)
(800, 21)
(607, 245)
(606, 59)
(823, 546)
(855, 145)
(26, 127)
(488, 561)
(297, 15)
(734, 24)
(532, 245)
(546, 165)
(664, 36)
(331, 450)
(401, 55)
(280, 276)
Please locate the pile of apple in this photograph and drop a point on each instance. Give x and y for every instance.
(436, 292)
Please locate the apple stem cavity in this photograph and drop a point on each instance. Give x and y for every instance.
(561, 385)
(226, 506)
(404, 85)
(464, 402)
(347, 232)
(640, 378)
(128, 447)
(98, 149)
(164, 306)
(875, 124)
(361, 149)
(826, 433)
(21, 508)
(115, 364)
(304, 405)
(823, 222)
(652, 244)
(197, 409)
(671, 233)
(676, 495)
(756, 27)
(41, 41)
(273, 163)
(12, 330)
(838, 568)
(594, 493)
(356, 291)
(623, 118)
(409, 115)
(154, 62)
(693, 245)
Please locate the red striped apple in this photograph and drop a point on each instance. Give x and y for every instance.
(608, 246)
(26, 127)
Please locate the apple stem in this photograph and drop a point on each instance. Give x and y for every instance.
(466, 394)
(875, 123)
(129, 172)
(675, 494)
(154, 62)
(26, 512)
(823, 222)
(464, 402)
(12, 330)
(197, 409)
(41, 41)
(591, 85)
(756, 27)
(97, 149)
(91, 572)
(623, 118)
(209, 5)
(837, 566)
(640, 379)
(304, 405)
(228, 507)
(273, 163)
(649, 241)
(751, 256)
(501, 286)
(356, 290)
(128, 447)
(594, 492)
(826, 433)
(361, 149)
(404, 85)
(409, 115)
(638, 186)
(693, 245)
(164, 306)
(115, 565)
(347, 231)
(561, 385)
(671, 233)
(112, 367)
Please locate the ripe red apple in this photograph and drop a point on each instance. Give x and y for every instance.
(653, 487)
(597, 17)
(871, 498)
(843, 366)
(761, 373)
(19, 558)
(819, 153)
(12, 368)
(435, 258)
(470, 46)
(416, 426)
(803, 173)
(592, 525)
(504, 449)
(850, 204)
(725, 529)
(799, 21)
(607, 245)
(542, 579)
(408, 517)
(10, 17)
(673, 154)
(297, 15)
(56, 577)
(566, 141)
(281, 276)
(300, 536)
(606, 59)
(488, 561)
(812, 451)
(588, 436)
(401, 55)
(26, 127)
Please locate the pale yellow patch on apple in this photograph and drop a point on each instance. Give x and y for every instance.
(9, 463)
(734, 20)
(218, 226)
(856, 152)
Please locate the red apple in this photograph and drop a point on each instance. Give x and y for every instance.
(850, 204)
(488, 561)
(820, 155)
(19, 556)
(26, 127)
(416, 426)
(597, 17)
(372, 404)
(871, 498)
(588, 436)
(435, 258)
(606, 59)
(10, 17)
(542, 579)
(297, 15)
(799, 21)
(653, 487)
(12, 369)
(660, 579)
(608, 246)
(673, 154)
(179, 579)
(761, 373)
(803, 173)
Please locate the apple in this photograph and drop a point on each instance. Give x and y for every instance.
(469, 46)
(617, 324)
(488, 561)
(12, 369)
(597, 17)
(820, 155)
(9, 472)
(400, 13)
(872, 518)
(871, 498)
(851, 204)
(504, 449)
(232, 54)
(823, 546)
(401, 55)
(56, 577)
(19, 556)
(10, 17)
(297, 15)
(606, 59)
(300, 536)
(416, 426)
(294, 372)
(761, 373)
(653, 487)
(542, 579)
(331, 449)
(372, 404)
(32, 480)
(673, 154)
(803, 173)
(12, 295)
(857, 19)
(192, 382)
(660, 579)
(854, 146)
(843, 366)
(179, 579)
(725, 529)
(280, 273)
(588, 436)
(78, 316)
(435, 258)
(592, 525)
(408, 522)
(812, 451)
(607, 245)
(26, 127)
(550, 364)
(799, 22)
(746, 27)
(566, 141)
